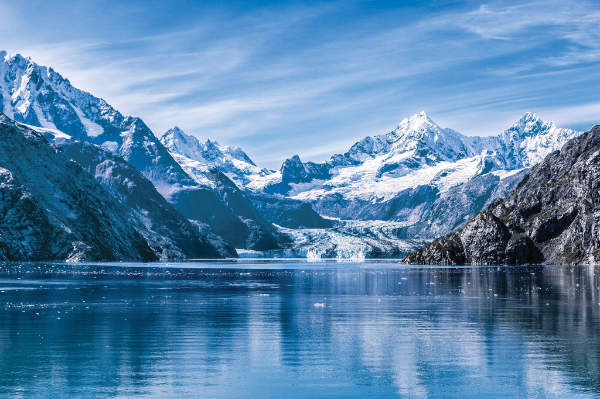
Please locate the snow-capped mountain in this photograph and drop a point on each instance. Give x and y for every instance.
(196, 156)
(201, 159)
(432, 178)
(40, 97)
(418, 152)
(529, 140)
(420, 178)
(551, 217)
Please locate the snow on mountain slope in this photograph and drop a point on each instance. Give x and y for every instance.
(420, 152)
(196, 156)
(39, 96)
(529, 140)
(415, 137)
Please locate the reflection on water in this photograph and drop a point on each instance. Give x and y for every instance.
(299, 331)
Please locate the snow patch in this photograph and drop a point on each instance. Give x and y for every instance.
(92, 129)
(111, 146)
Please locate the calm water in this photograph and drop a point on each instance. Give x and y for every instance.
(299, 330)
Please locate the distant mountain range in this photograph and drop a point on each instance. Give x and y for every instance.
(428, 178)
(387, 195)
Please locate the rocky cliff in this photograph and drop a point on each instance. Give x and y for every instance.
(552, 216)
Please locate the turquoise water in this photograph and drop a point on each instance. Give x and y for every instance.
(299, 330)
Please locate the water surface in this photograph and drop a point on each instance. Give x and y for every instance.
(298, 330)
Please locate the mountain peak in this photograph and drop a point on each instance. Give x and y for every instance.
(416, 122)
(175, 131)
(16, 58)
(212, 143)
(209, 152)
(529, 118)
(530, 124)
(530, 139)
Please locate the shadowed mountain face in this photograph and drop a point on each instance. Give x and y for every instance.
(53, 209)
(233, 217)
(552, 216)
(290, 213)
(169, 232)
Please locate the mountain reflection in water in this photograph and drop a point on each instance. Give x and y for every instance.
(298, 330)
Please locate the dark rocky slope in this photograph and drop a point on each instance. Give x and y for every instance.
(552, 216)
(52, 209)
(168, 232)
(229, 212)
(222, 206)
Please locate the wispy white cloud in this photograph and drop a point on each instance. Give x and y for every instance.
(574, 22)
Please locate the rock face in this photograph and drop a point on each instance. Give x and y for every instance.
(233, 217)
(552, 216)
(287, 212)
(53, 209)
(167, 231)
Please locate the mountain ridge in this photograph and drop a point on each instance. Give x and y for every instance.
(550, 217)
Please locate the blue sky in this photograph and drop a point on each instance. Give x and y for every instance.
(279, 78)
